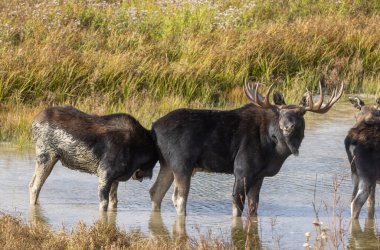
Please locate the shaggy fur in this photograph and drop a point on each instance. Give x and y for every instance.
(114, 147)
(363, 151)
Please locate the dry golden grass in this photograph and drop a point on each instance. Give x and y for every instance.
(14, 234)
(153, 56)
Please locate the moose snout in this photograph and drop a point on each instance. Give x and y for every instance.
(287, 128)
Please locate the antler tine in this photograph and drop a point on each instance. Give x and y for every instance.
(247, 91)
(340, 93)
(309, 98)
(335, 96)
(267, 102)
(257, 100)
(321, 96)
(251, 89)
(254, 97)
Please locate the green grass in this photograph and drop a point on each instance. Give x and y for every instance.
(195, 53)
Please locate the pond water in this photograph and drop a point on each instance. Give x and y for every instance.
(286, 201)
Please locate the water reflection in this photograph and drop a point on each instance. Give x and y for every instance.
(108, 217)
(245, 236)
(363, 239)
(156, 225)
(159, 230)
(37, 215)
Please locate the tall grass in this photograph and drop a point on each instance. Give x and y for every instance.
(197, 51)
(14, 234)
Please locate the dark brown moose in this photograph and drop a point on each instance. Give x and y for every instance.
(114, 147)
(251, 143)
(363, 150)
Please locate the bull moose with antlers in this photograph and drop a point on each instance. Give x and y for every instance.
(251, 143)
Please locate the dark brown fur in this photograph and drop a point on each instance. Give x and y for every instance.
(363, 151)
(114, 147)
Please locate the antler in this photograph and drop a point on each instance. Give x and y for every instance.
(317, 107)
(250, 89)
(253, 95)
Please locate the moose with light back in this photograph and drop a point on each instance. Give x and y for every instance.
(114, 147)
(363, 150)
(251, 142)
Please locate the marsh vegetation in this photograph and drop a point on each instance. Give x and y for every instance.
(148, 57)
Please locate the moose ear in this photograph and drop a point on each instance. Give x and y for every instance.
(278, 98)
(356, 101)
(378, 103)
(369, 120)
(304, 102)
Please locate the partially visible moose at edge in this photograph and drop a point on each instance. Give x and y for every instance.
(251, 143)
(363, 150)
(114, 147)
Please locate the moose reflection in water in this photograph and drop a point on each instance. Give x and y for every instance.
(363, 239)
(251, 142)
(242, 234)
(363, 150)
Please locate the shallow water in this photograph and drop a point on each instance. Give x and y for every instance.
(285, 213)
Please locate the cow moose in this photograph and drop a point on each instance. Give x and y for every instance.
(251, 142)
(114, 147)
(363, 150)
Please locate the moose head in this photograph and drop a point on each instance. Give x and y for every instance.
(291, 122)
(368, 114)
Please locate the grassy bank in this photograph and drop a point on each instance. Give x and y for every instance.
(14, 234)
(147, 57)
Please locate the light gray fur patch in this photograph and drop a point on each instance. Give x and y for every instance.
(352, 149)
(281, 145)
(71, 152)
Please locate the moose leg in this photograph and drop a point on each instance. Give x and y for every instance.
(253, 196)
(104, 188)
(238, 196)
(113, 196)
(181, 192)
(371, 201)
(360, 198)
(355, 182)
(160, 187)
(44, 166)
